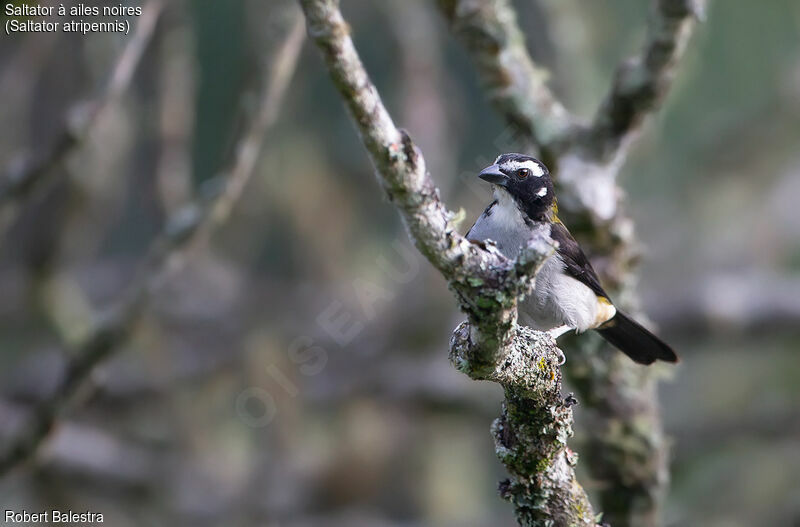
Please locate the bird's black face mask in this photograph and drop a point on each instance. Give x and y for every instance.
(527, 181)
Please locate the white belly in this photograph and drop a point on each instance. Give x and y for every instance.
(559, 300)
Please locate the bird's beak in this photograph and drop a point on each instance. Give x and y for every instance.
(494, 175)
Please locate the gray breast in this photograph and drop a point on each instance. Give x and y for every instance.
(557, 299)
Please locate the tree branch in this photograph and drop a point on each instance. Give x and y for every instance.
(514, 83)
(531, 435)
(185, 226)
(627, 450)
(25, 175)
(641, 82)
(486, 283)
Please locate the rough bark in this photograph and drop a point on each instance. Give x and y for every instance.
(486, 283)
(532, 432)
(627, 450)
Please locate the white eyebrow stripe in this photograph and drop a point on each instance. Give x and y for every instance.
(533, 166)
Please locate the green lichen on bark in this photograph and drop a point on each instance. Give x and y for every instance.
(487, 285)
(532, 431)
(627, 449)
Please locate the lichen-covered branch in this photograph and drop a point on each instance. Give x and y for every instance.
(486, 283)
(183, 228)
(531, 434)
(400, 166)
(24, 176)
(514, 83)
(535, 425)
(627, 451)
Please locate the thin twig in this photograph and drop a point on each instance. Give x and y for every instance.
(250, 147)
(182, 228)
(24, 176)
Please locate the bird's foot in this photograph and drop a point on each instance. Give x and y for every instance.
(561, 357)
(555, 333)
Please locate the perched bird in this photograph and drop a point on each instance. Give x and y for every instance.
(567, 294)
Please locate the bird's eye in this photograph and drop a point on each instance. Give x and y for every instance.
(523, 173)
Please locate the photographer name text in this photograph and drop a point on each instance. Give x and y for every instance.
(52, 516)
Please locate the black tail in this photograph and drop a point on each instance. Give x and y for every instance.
(635, 341)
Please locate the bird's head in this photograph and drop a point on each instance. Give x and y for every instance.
(526, 180)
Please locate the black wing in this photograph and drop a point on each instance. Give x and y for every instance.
(576, 264)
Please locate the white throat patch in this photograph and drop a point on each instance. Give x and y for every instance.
(507, 213)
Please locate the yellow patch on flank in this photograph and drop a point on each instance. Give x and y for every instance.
(605, 311)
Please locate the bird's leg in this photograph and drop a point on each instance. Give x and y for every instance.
(557, 332)
(560, 330)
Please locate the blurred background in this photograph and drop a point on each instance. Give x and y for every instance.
(293, 369)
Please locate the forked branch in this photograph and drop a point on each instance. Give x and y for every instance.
(627, 450)
(531, 435)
